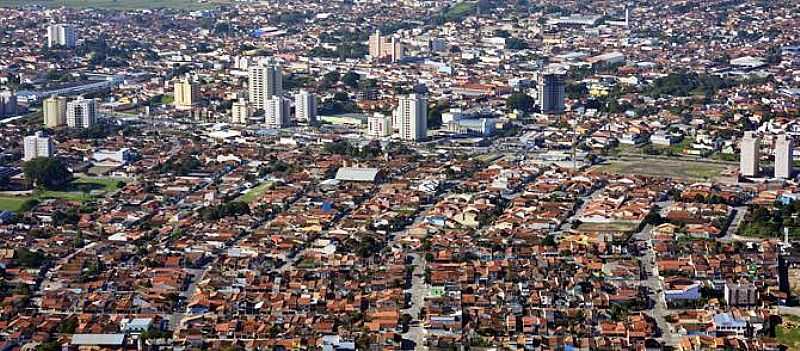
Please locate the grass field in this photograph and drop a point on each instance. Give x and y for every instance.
(12, 203)
(82, 188)
(254, 193)
(606, 227)
(788, 334)
(664, 168)
(116, 4)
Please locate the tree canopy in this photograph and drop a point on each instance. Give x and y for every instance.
(46, 172)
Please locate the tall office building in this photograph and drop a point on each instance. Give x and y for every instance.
(187, 94)
(38, 145)
(750, 154)
(381, 47)
(379, 125)
(241, 112)
(412, 116)
(552, 91)
(8, 104)
(276, 112)
(55, 111)
(81, 113)
(784, 150)
(61, 35)
(264, 82)
(305, 107)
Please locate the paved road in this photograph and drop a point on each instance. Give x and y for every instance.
(656, 286)
(730, 234)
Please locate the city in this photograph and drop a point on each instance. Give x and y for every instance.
(399, 175)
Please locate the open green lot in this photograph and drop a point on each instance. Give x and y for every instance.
(625, 227)
(80, 189)
(787, 333)
(665, 168)
(116, 4)
(254, 193)
(12, 203)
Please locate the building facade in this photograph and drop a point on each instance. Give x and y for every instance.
(552, 91)
(305, 107)
(276, 112)
(379, 125)
(187, 94)
(264, 82)
(8, 104)
(784, 152)
(750, 154)
(81, 113)
(412, 116)
(54, 110)
(61, 35)
(381, 47)
(38, 145)
(241, 112)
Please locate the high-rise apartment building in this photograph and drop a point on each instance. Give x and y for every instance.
(552, 91)
(276, 112)
(61, 35)
(187, 94)
(81, 113)
(264, 82)
(412, 116)
(54, 110)
(241, 112)
(305, 107)
(8, 104)
(38, 145)
(379, 125)
(750, 154)
(784, 150)
(381, 47)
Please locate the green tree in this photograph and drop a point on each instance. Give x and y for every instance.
(351, 79)
(46, 172)
(520, 101)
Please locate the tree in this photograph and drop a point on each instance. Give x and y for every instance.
(46, 172)
(520, 101)
(351, 79)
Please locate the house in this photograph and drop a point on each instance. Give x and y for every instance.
(726, 324)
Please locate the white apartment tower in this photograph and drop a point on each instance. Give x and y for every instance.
(412, 116)
(276, 112)
(784, 150)
(81, 113)
(305, 107)
(750, 154)
(241, 112)
(552, 91)
(264, 82)
(61, 35)
(54, 110)
(38, 145)
(379, 125)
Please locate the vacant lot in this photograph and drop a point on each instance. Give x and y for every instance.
(254, 193)
(664, 168)
(12, 203)
(116, 4)
(624, 227)
(80, 189)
